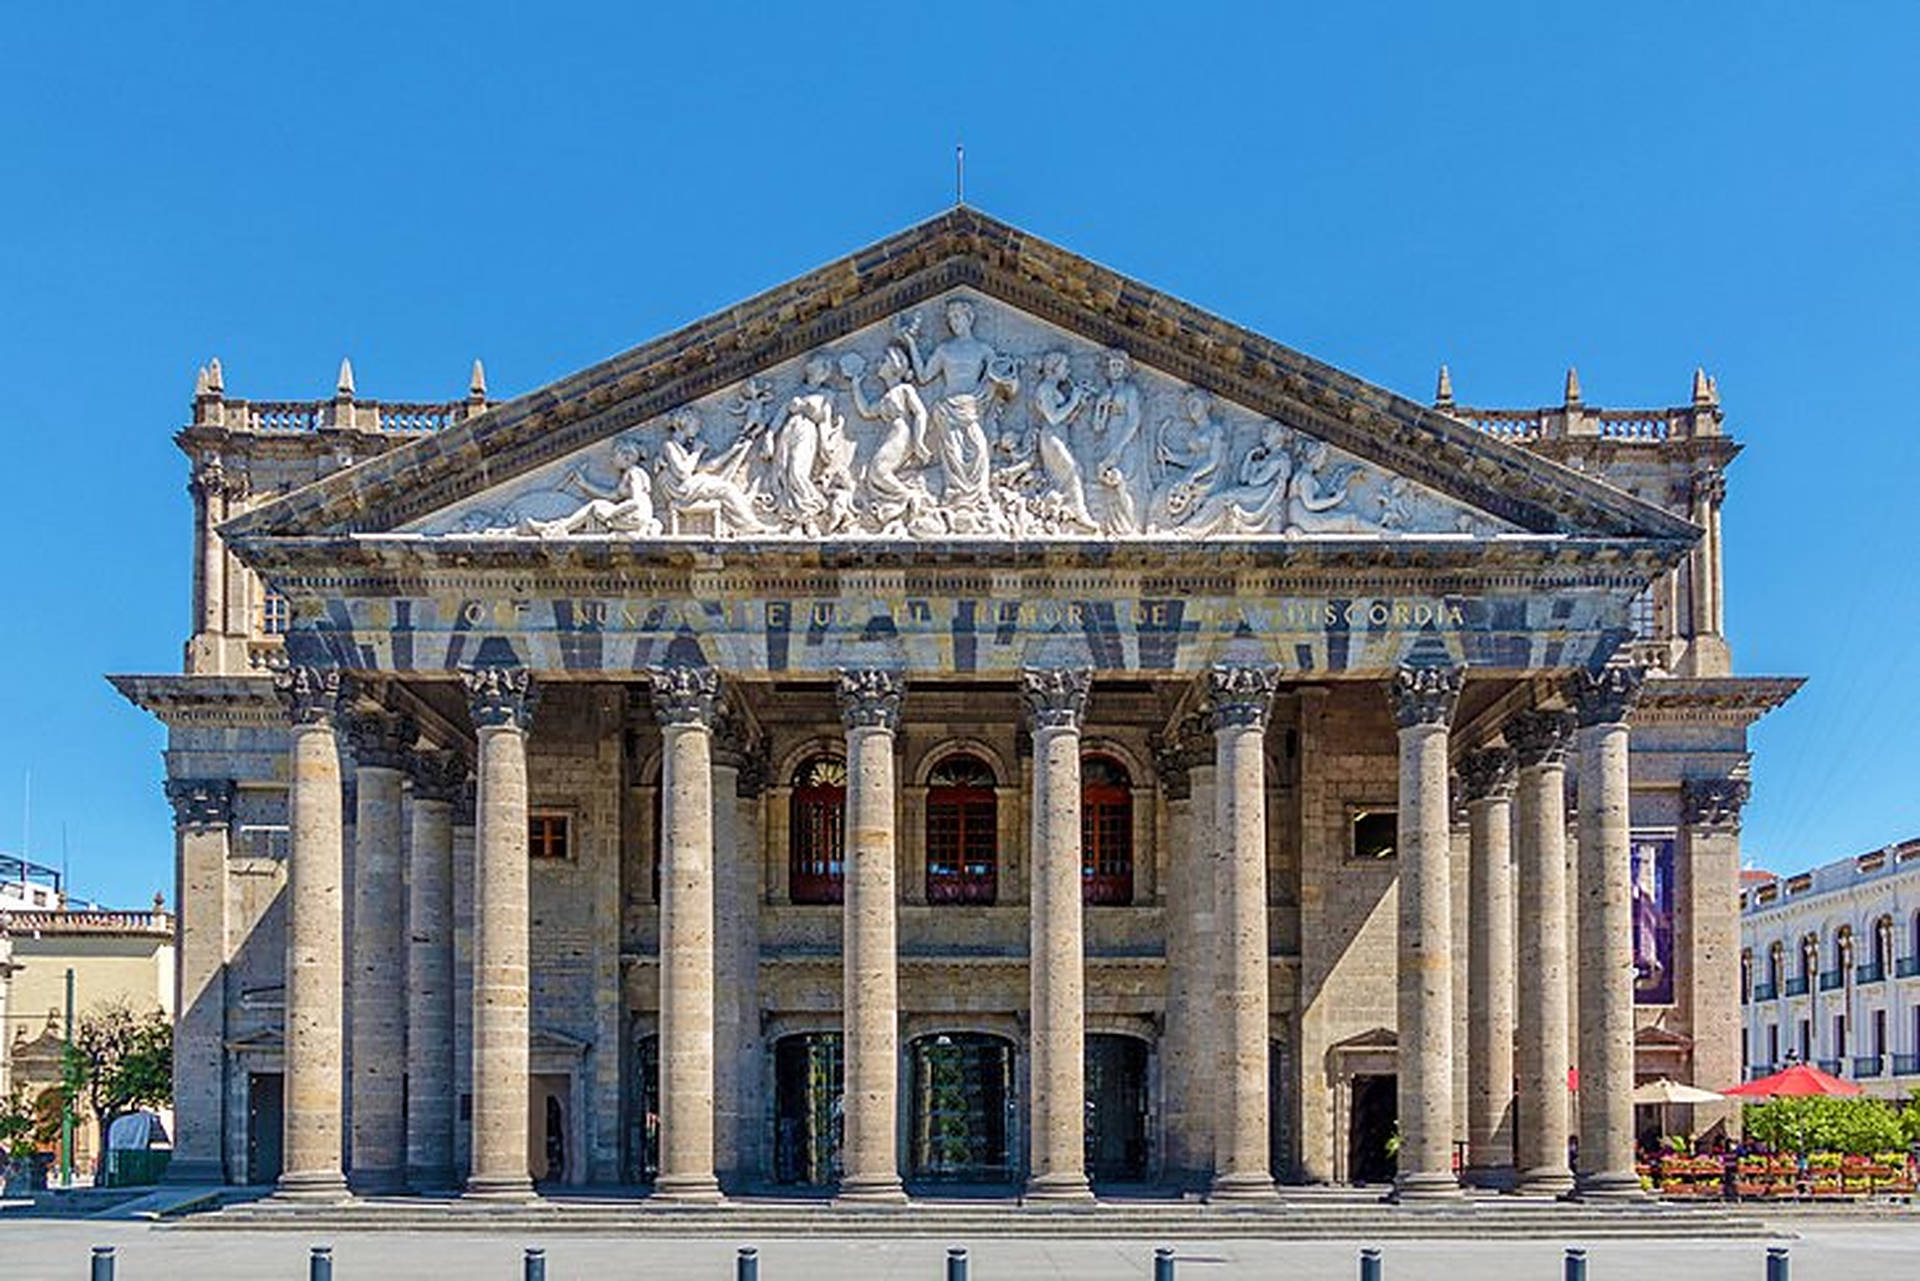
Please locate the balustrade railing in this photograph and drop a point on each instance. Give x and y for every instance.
(1763, 992)
(299, 417)
(1830, 1066)
(1866, 1065)
(1653, 426)
(1869, 973)
(1796, 987)
(1906, 967)
(1906, 1065)
(1831, 979)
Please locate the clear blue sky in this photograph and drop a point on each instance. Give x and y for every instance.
(1632, 188)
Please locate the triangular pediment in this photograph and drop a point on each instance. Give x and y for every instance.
(960, 381)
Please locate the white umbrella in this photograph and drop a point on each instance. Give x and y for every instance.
(1665, 1091)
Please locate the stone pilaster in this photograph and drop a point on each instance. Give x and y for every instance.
(1423, 700)
(870, 711)
(684, 702)
(501, 700)
(315, 1047)
(1240, 703)
(202, 827)
(379, 740)
(465, 807)
(1486, 786)
(1602, 700)
(439, 777)
(1540, 740)
(1708, 900)
(1056, 702)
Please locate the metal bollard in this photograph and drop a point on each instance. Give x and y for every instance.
(533, 1267)
(956, 1263)
(1163, 1263)
(746, 1264)
(1576, 1269)
(102, 1266)
(1777, 1263)
(320, 1263)
(1370, 1264)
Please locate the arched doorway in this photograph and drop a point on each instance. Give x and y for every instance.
(1117, 1146)
(807, 1108)
(962, 1109)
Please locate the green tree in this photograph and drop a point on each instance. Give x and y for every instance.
(17, 1125)
(120, 1060)
(1856, 1126)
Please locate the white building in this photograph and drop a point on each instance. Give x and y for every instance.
(1830, 970)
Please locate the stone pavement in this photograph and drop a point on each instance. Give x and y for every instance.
(1831, 1249)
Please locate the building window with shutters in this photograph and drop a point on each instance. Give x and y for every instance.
(816, 827)
(547, 835)
(963, 833)
(1106, 832)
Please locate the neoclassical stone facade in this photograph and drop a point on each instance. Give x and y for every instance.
(960, 718)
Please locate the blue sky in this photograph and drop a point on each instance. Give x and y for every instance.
(1632, 188)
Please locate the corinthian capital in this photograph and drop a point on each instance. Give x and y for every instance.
(870, 699)
(1056, 697)
(684, 695)
(1713, 802)
(1241, 696)
(380, 739)
(310, 694)
(437, 774)
(1540, 736)
(500, 696)
(201, 802)
(1606, 696)
(1425, 695)
(1486, 775)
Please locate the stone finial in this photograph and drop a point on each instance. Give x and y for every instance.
(200, 385)
(684, 695)
(343, 386)
(1241, 696)
(1713, 391)
(871, 699)
(1572, 394)
(1443, 393)
(1425, 695)
(1713, 803)
(1702, 397)
(216, 382)
(1055, 697)
(310, 694)
(1539, 736)
(437, 774)
(1605, 697)
(477, 382)
(1487, 775)
(500, 696)
(201, 802)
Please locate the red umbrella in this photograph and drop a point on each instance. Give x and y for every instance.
(1798, 1081)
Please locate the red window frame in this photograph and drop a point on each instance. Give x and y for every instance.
(1106, 833)
(963, 833)
(816, 832)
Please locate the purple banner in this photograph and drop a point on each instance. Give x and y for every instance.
(1653, 920)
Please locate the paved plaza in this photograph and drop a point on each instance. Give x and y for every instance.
(42, 1250)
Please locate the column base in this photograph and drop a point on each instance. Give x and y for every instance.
(315, 1187)
(1059, 1189)
(687, 1189)
(871, 1189)
(1548, 1181)
(488, 1187)
(1243, 1187)
(1427, 1185)
(1494, 1178)
(1609, 1185)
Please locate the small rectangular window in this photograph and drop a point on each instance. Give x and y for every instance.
(264, 840)
(273, 614)
(1376, 834)
(547, 835)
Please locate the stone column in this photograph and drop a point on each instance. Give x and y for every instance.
(1423, 702)
(870, 1010)
(1603, 700)
(380, 740)
(502, 701)
(202, 823)
(737, 773)
(684, 700)
(465, 805)
(1241, 700)
(1056, 700)
(315, 1047)
(1188, 1056)
(1487, 779)
(1540, 740)
(438, 779)
(1708, 904)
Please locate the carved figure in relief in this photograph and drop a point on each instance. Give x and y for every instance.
(1396, 503)
(897, 504)
(626, 508)
(715, 489)
(1116, 422)
(973, 379)
(1190, 452)
(1318, 502)
(1258, 496)
(1057, 398)
(812, 458)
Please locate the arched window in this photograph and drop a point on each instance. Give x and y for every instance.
(963, 832)
(1106, 831)
(816, 830)
(1776, 965)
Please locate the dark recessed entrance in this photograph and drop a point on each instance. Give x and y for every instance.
(1116, 1109)
(962, 1105)
(1376, 1111)
(643, 1111)
(266, 1123)
(807, 1109)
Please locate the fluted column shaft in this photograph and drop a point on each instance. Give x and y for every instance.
(315, 1047)
(1603, 701)
(1540, 740)
(1241, 702)
(1056, 700)
(870, 994)
(502, 702)
(1487, 784)
(684, 701)
(203, 818)
(437, 778)
(1423, 702)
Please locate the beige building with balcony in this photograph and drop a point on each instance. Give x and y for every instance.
(962, 718)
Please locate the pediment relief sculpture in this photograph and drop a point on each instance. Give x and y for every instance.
(998, 426)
